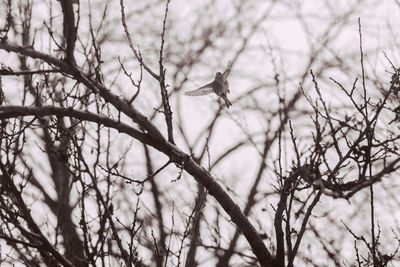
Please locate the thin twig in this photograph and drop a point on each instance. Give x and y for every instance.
(134, 50)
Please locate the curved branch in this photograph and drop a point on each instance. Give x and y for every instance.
(174, 153)
(78, 75)
(30, 52)
(16, 111)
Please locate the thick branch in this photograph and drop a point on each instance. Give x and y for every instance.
(119, 104)
(69, 29)
(16, 111)
(30, 52)
(174, 153)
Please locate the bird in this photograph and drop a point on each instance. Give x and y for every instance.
(219, 86)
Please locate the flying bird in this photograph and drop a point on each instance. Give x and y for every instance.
(219, 86)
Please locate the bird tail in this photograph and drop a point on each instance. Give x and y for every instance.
(204, 90)
(227, 102)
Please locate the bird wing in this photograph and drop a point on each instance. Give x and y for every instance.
(200, 92)
(204, 90)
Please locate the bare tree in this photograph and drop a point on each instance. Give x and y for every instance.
(105, 162)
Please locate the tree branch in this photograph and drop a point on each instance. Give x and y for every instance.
(69, 29)
(174, 153)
